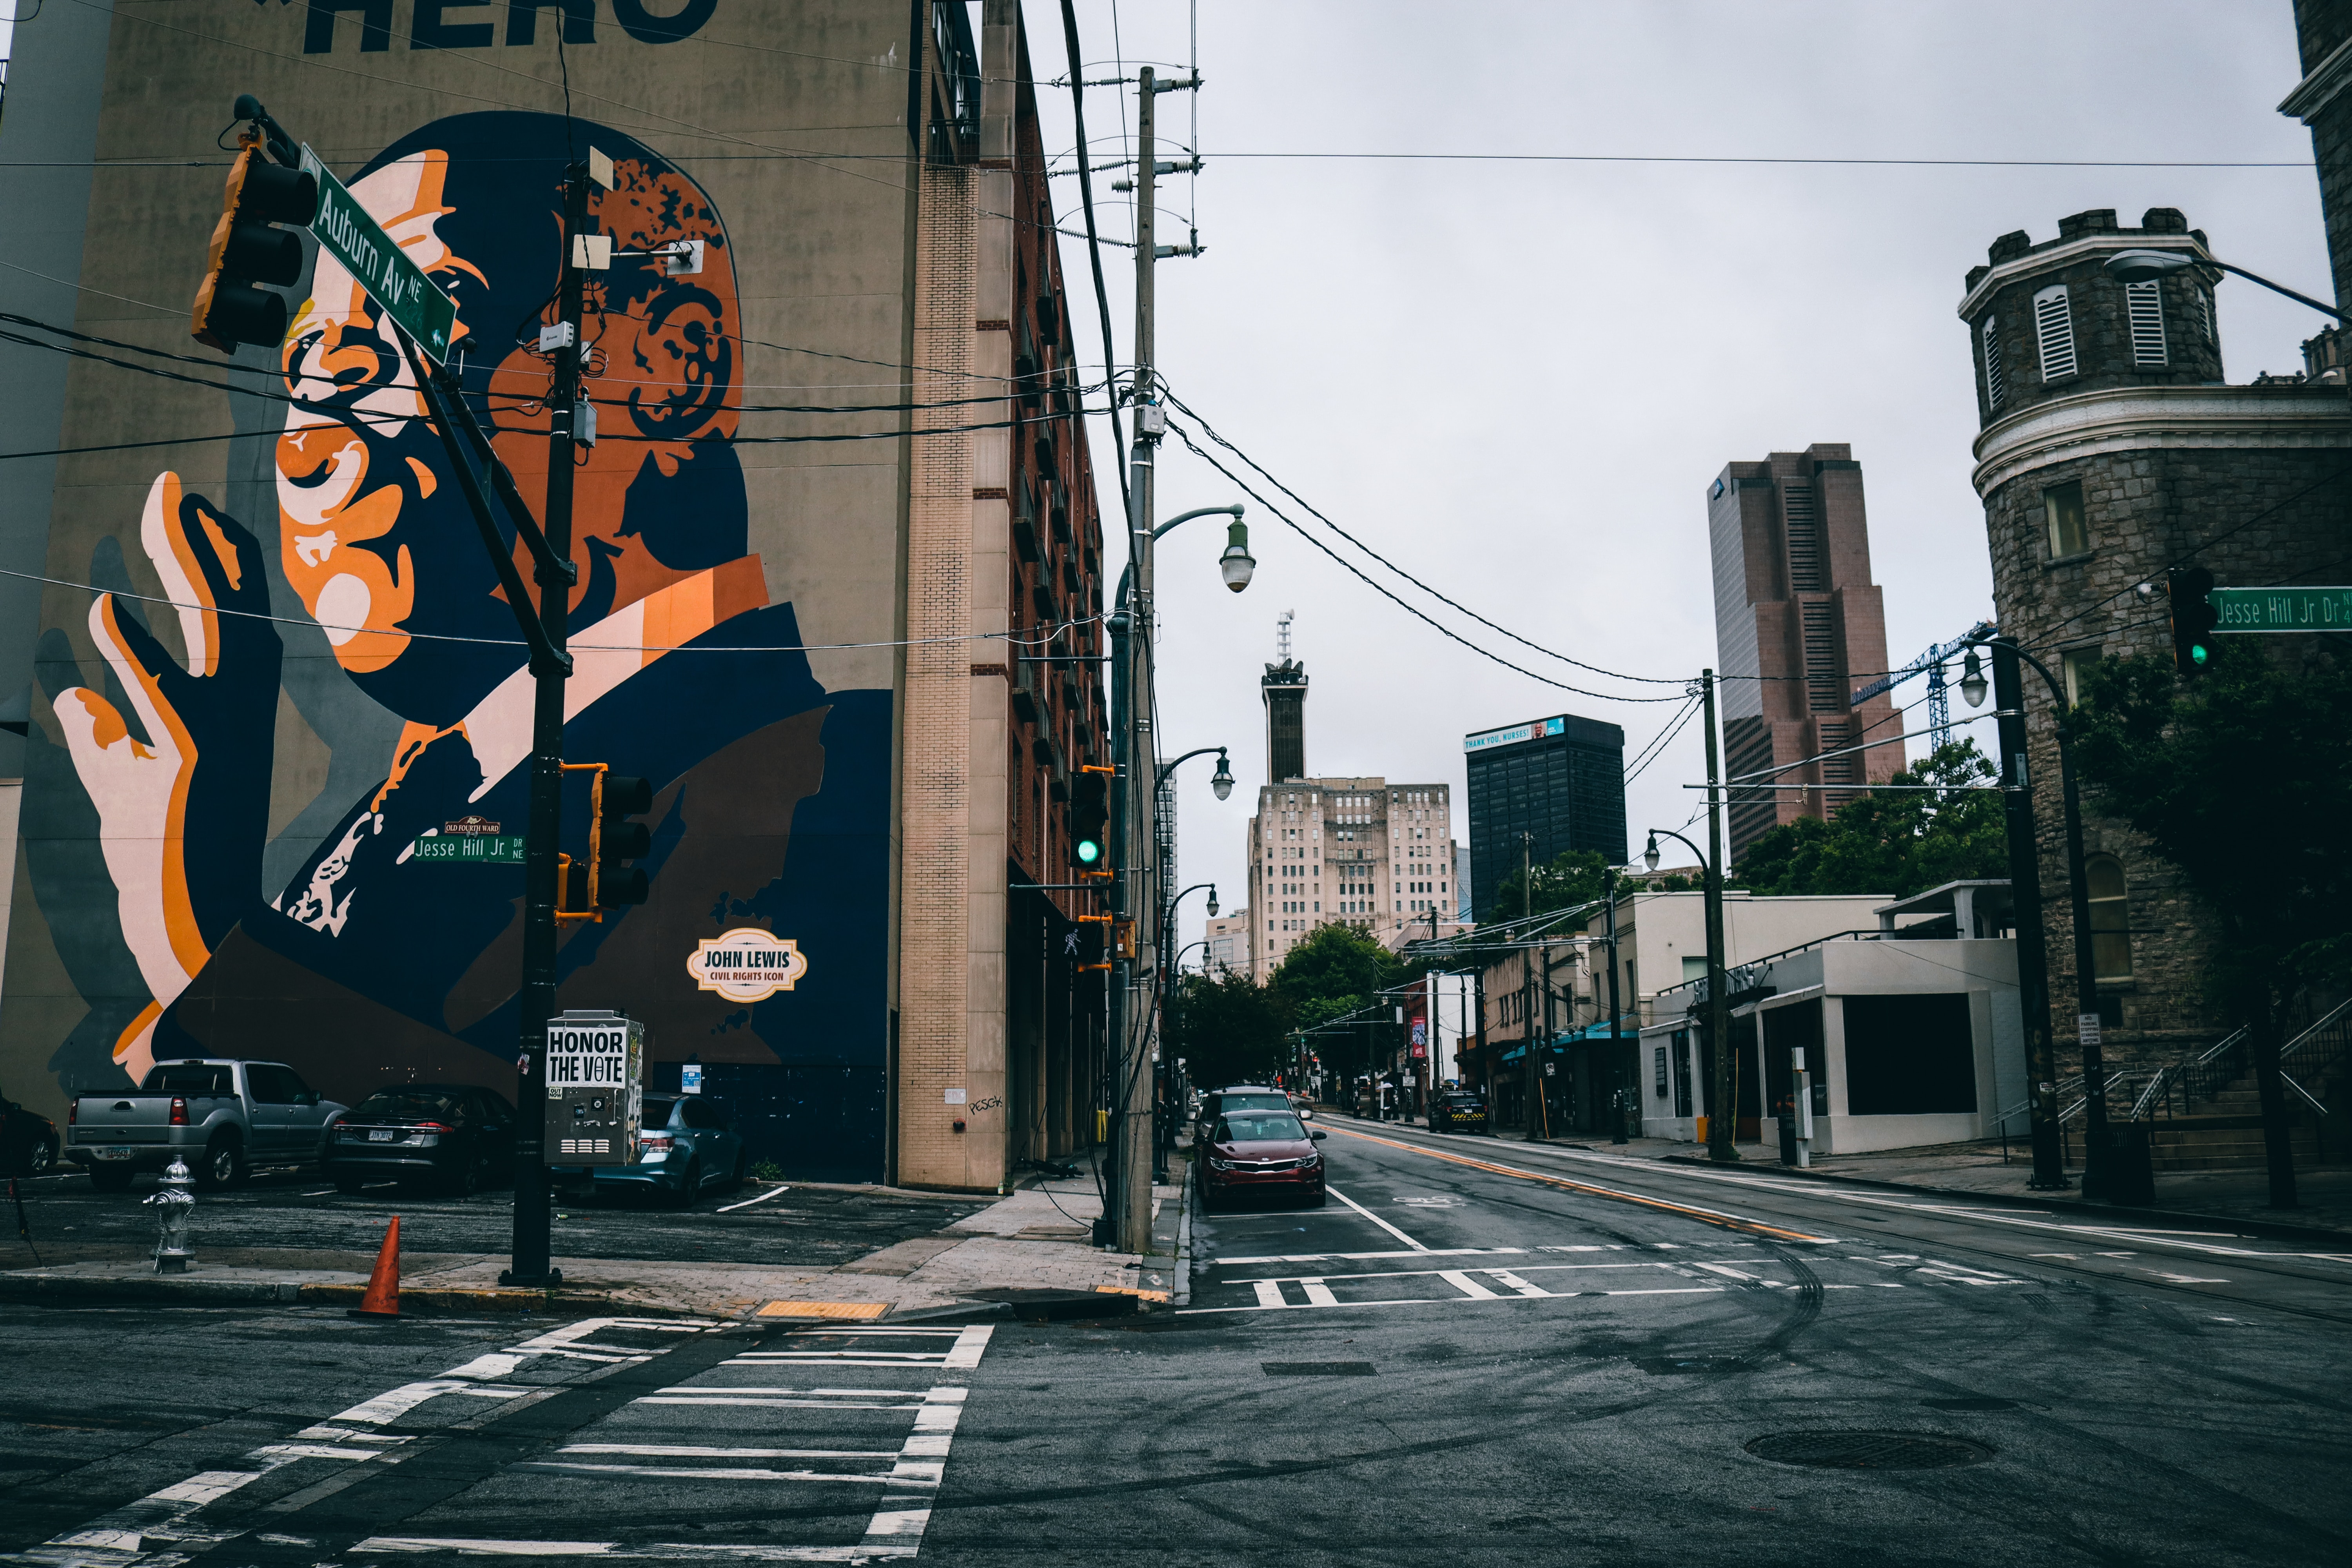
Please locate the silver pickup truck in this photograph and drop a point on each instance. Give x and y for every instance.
(222, 1117)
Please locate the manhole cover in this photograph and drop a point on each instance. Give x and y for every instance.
(1316, 1368)
(1869, 1450)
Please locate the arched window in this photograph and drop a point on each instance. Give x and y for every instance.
(2110, 918)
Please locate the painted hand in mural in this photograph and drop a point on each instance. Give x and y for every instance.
(181, 784)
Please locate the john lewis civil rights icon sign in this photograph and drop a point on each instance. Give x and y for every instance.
(228, 817)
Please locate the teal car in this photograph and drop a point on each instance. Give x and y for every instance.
(687, 1146)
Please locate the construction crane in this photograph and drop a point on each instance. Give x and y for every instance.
(1940, 697)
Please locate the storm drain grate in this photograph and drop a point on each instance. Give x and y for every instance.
(1869, 1450)
(1316, 1368)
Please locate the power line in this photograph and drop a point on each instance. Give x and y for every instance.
(1184, 435)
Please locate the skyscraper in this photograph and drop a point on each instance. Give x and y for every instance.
(1795, 615)
(1560, 780)
(1285, 689)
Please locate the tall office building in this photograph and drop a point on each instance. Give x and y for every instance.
(1229, 944)
(1795, 615)
(1284, 687)
(1560, 780)
(1348, 851)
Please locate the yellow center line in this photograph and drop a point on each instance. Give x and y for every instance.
(1708, 1216)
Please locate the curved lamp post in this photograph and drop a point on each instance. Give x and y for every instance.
(1166, 1140)
(2147, 266)
(2049, 1164)
(1723, 1114)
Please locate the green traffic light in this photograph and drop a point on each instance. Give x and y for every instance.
(2199, 652)
(1089, 851)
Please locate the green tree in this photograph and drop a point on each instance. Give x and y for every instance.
(2239, 780)
(1572, 877)
(1898, 843)
(1335, 969)
(1229, 1029)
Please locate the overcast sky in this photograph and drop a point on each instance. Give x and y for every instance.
(1517, 379)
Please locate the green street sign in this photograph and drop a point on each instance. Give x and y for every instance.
(396, 284)
(473, 849)
(2283, 609)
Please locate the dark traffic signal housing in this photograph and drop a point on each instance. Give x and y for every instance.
(2193, 619)
(616, 837)
(249, 249)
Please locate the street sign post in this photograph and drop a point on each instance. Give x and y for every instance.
(396, 284)
(2283, 609)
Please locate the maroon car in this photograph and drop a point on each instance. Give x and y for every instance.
(1268, 1153)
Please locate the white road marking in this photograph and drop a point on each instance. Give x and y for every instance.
(1373, 1217)
(654, 1472)
(777, 1404)
(1470, 1289)
(157, 1532)
(747, 1202)
(1268, 1293)
(684, 1451)
(1318, 1294)
(657, 1552)
(1513, 1282)
(1416, 1252)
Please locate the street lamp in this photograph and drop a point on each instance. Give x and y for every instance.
(1166, 1138)
(1723, 1116)
(2148, 265)
(1222, 782)
(1972, 679)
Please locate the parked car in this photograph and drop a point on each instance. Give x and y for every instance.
(28, 1143)
(1267, 1152)
(220, 1115)
(1457, 1111)
(455, 1137)
(1239, 1097)
(686, 1145)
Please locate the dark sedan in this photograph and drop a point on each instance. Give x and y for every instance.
(686, 1145)
(1266, 1152)
(28, 1141)
(1456, 1111)
(457, 1138)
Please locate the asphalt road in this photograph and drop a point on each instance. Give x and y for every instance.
(1478, 1352)
(300, 1211)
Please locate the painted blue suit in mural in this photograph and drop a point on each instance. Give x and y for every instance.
(367, 964)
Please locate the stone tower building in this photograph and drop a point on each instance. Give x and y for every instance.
(2110, 449)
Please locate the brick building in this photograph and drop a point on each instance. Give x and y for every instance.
(843, 495)
(2111, 448)
(1796, 614)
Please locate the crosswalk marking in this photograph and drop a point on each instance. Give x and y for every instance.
(1460, 1281)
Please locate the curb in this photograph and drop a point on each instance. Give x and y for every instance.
(181, 1290)
(2269, 1229)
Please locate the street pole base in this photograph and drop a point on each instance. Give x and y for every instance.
(1724, 1156)
(2059, 1186)
(530, 1281)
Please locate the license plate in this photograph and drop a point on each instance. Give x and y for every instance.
(379, 1135)
(111, 1154)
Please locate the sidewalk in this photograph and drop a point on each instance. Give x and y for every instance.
(1977, 1170)
(1029, 1245)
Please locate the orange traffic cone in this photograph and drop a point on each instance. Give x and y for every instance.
(383, 1298)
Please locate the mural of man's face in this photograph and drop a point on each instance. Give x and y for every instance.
(375, 534)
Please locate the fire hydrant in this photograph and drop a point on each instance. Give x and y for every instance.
(173, 1201)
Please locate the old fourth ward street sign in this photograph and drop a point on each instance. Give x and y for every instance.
(2282, 609)
(396, 284)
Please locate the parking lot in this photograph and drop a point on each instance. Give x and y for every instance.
(299, 1210)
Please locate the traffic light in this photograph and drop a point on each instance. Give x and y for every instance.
(615, 836)
(2193, 619)
(249, 249)
(1089, 816)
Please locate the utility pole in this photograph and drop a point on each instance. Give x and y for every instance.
(542, 870)
(1616, 1029)
(1723, 1108)
(1527, 981)
(1132, 1229)
(2025, 895)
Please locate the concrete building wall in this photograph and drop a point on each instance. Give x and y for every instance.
(2168, 465)
(1349, 851)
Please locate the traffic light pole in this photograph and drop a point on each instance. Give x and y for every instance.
(1722, 1108)
(2025, 895)
(541, 869)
